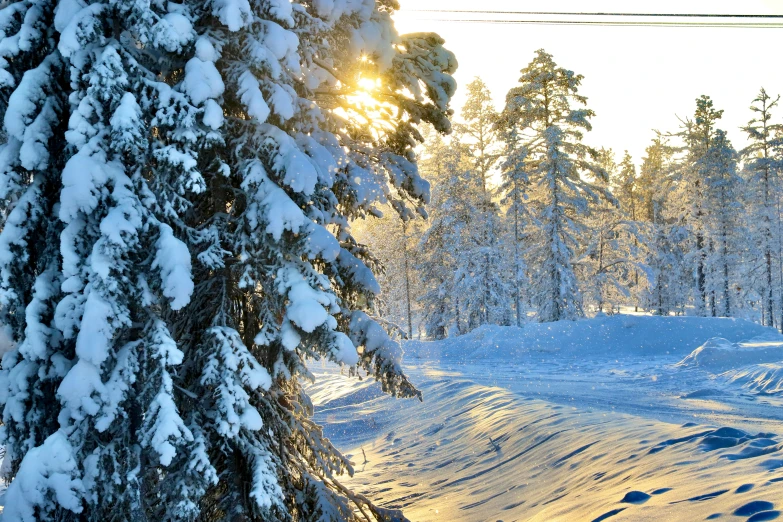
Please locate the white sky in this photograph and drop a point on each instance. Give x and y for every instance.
(636, 78)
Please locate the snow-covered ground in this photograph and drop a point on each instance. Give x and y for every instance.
(628, 418)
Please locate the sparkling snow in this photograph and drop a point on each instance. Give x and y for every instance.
(589, 420)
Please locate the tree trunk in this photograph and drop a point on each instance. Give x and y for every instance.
(780, 265)
(517, 289)
(727, 302)
(600, 272)
(407, 278)
(701, 277)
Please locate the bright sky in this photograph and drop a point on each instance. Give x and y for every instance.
(636, 78)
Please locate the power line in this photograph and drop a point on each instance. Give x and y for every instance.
(562, 13)
(740, 25)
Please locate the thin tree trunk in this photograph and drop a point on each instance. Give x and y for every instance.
(768, 247)
(769, 297)
(636, 247)
(487, 290)
(701, 277)
(600, 271)
(767, 223)
(407, 278)
(517, 289)
(727, 302)
(726, 296)
(457, 315)
(780, 264)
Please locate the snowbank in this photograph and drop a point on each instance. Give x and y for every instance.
(609, 336)
(758, 378)
(718, 354)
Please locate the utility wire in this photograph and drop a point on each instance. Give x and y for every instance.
(745, 22)
(562, 13)
(740, 25)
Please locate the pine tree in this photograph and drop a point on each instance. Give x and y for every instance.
(541, 108)
(626, 191)
(697, 134)
(87, 395)
(513, 190)
(761, 157)
(484, 277)
(177, 188)
(663, 236)
(34, 105)
(445, 245)
(605, 264)
(724, 191)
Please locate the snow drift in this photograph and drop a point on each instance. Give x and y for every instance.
(587, 420)
(472, 452)
(718, 354)
(614, 335)
(758, 378)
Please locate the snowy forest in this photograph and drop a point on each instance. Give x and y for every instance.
(528, 223)
(224, 223)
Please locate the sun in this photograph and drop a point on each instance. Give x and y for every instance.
(366, 103)
(364, 95)
(368, 84)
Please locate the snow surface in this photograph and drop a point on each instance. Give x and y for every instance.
(718, 353)
(588, 420)
(612, 335)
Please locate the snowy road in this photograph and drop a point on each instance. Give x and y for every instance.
(652, 389)
(558, 436)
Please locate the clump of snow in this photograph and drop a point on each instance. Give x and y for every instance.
(307, 305)
(282, 100)
(78, 26)
(202, 81)
(235, 14)
(205, 51)
(173, 32)
(298, 169)
(345, 352)
(85, 174)
(718, 354)
(213, 115)
(47, 470)
(173, 259)
(252, 97)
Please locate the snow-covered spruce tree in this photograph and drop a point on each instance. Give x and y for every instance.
(177, 191)
(724, 192)
(485, 282)
(690, 195)
(455, 248)
(625, 189)
(605, 264)
(34, 84)
(551, 133)
(762, 159)
(89, 267)
(445, 242)
(295, 281)
(513, 191)
(481, 279)
(667, 273)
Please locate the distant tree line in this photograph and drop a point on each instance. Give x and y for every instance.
(528, 223)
